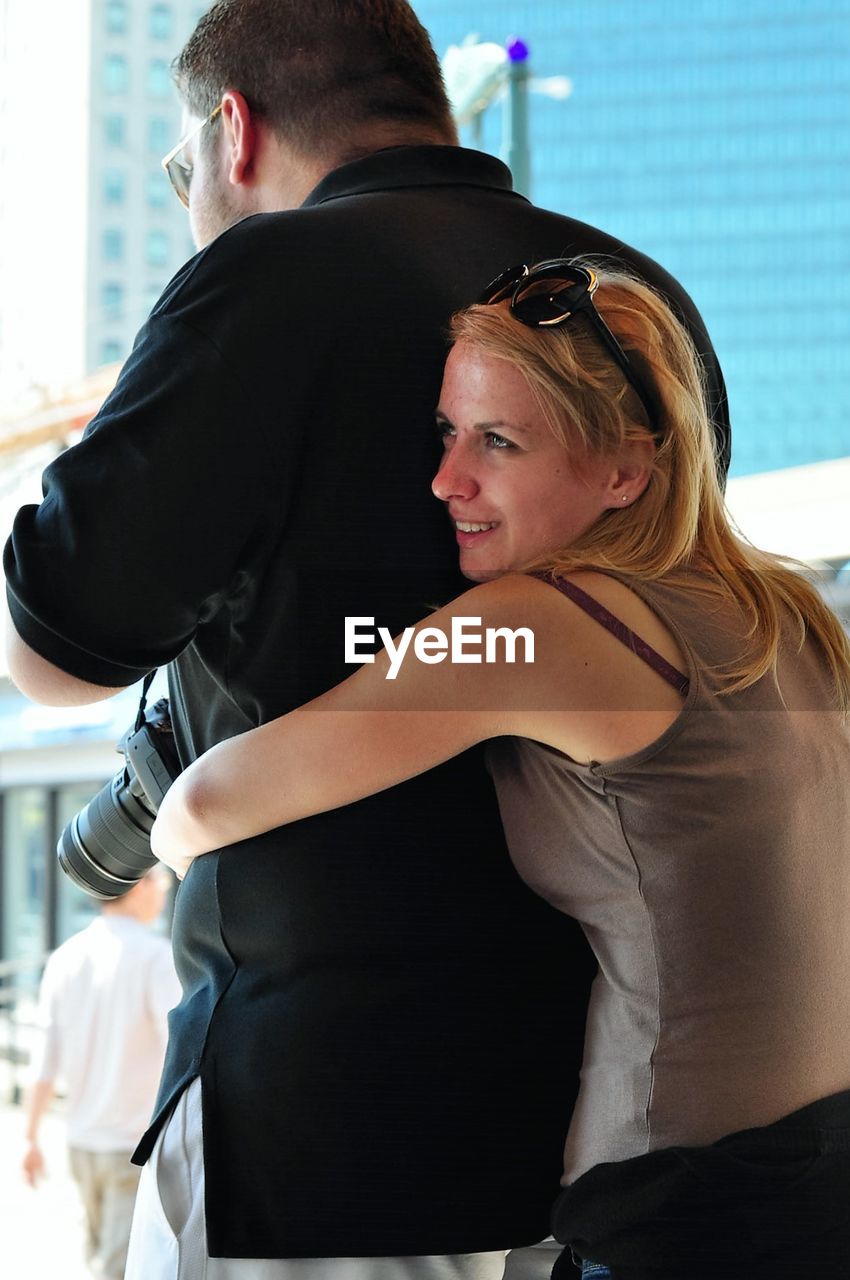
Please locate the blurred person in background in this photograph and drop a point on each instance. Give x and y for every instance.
(382, 1051)
(103, 1008)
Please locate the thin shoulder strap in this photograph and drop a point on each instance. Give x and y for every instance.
(619, 629)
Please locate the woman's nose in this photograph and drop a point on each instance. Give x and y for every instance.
(454, 478)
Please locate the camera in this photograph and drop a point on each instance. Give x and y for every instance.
(106, 848)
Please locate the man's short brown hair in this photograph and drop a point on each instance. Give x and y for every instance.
(322, 73)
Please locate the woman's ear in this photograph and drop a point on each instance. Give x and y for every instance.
(631, 473)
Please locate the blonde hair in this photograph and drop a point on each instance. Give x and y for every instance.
(680, 523)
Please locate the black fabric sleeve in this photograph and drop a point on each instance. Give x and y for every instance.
(143, 521)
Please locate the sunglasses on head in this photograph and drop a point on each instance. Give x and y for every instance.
(548, 294)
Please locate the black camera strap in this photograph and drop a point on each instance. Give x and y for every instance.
(140, 717)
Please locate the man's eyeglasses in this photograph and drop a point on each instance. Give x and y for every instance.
(179, 172)
(548, 294)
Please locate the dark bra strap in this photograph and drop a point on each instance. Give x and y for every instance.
(619, 629)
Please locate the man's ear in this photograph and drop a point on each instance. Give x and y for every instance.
(240, 135)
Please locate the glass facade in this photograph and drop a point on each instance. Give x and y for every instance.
(156, 248)
(25, 868)
(114, 186)
(111, 351)
(113, 244)
(41, 907)
(115, 130)
(160, 136)
(157, 190)
(161, 21)
(159, 79)
(116, 76)
(112, 299)
(116, 17)
(135, 119)
(714, 137)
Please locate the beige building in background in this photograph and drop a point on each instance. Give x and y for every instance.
(89, 229)
(90, 233)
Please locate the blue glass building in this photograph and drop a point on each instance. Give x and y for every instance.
(715, 136)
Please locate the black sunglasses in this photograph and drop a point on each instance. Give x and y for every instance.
(548, 294)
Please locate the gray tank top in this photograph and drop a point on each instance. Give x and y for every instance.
(711, 874)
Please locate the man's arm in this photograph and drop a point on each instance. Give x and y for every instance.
(38, 1101)
(45, 1068)
(143, 523)
(42, 681)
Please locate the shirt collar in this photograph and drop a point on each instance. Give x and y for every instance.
(427, 166)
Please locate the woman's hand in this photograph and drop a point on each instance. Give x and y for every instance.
(208, 805)
(177, 836)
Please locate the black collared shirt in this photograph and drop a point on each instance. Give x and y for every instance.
(386, 1021)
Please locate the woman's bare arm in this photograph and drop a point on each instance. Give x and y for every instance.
(585, 694)
(365, 735)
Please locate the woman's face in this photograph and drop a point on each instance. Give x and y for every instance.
(511, 491)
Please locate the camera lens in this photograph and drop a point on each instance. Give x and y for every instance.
(106, 848)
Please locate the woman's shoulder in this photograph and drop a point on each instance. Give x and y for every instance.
(535, 589)
(574, 620)
(551, 599)
(511, 596)
(582, 600)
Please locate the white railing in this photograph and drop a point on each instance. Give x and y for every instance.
(18, 1000)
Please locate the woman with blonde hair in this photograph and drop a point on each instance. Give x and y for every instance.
(667, 709)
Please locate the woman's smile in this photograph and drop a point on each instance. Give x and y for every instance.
(512, 491)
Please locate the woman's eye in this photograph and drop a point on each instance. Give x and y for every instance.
(495, 441)
(444, 429)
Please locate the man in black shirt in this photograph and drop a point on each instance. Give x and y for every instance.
(386, 1023)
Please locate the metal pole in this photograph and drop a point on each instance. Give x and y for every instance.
(515, 148)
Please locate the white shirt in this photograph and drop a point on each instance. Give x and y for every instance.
(105, 996)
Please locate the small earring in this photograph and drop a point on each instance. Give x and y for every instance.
(625, 497)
